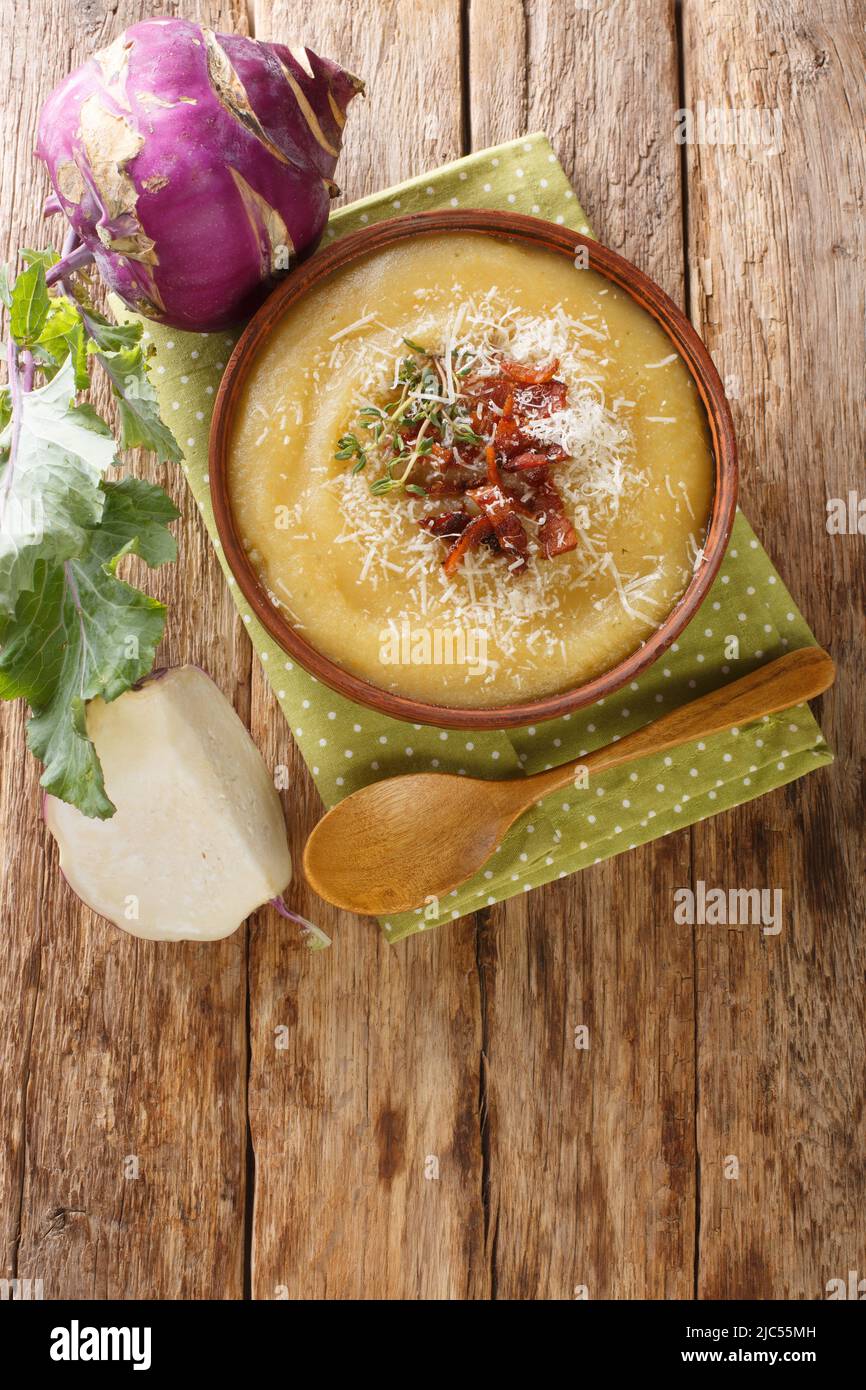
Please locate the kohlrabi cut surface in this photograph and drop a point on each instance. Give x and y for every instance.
(198, 840)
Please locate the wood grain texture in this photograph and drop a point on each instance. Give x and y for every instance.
(378, 1090)
(112, 1047)
(776, 246)
(424, 1120)
(591, 1152)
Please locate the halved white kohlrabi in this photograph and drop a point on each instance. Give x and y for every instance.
(198, 840)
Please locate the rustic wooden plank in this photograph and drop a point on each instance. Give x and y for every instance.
(776, 246)
(377, 1089)
(112, 1047)
(591, 1152)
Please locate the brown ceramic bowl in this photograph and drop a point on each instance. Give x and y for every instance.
(532, 231)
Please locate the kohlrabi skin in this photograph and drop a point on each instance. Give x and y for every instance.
(198, 840)
(194, 166)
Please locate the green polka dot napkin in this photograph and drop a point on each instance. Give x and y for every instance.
(748, 618)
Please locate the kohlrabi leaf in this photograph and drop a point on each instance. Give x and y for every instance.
(49, 494)
(82, 632)
(44, 258)
(140, 423)
(69, 628)
(112, 336)
(30, 305)
(63, 336)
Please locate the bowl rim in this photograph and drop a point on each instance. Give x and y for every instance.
(527, 230)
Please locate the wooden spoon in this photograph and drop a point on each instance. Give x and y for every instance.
(398, 842)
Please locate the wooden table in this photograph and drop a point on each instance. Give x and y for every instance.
(416, 1121)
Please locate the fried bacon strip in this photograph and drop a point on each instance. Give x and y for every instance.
(501, 407)
(556, 533)
(529, 376)
(501, 511)
(476, 531)
(446, 523)
(523, 463)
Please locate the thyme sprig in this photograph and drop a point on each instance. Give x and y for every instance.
(407, 428)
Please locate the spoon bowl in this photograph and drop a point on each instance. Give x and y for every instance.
(396, 844)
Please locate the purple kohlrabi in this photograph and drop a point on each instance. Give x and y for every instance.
(193, 166)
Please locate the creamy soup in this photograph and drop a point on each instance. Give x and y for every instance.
(471, 472)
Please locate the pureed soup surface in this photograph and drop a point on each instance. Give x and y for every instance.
(617, 428)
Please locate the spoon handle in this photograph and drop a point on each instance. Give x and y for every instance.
(790, 680)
